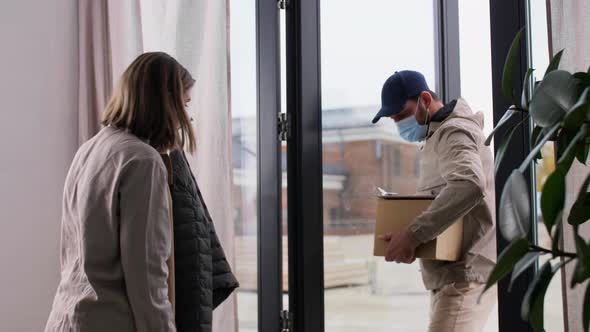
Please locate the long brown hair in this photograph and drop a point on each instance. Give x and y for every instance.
(149, 102)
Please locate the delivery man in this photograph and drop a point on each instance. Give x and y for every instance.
(458, 168)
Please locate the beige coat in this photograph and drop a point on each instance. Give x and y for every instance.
(458, 168)
(116, 239)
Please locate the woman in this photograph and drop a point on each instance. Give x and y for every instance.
(116, 227)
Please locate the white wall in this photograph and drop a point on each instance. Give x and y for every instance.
(38, 135)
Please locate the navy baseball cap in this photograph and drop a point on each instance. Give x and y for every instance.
(398, 88)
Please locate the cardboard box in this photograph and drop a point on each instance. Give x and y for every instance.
(395, 213)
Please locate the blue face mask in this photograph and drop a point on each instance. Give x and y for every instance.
(410, 130)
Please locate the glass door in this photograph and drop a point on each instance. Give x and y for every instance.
(256, 158)
(339, 54)
(362, 44)
(243, 75)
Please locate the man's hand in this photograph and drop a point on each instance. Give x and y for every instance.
(401, 248)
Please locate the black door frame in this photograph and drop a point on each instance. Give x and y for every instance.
(306, 300)
(446, 42)
(269, 167)
(304, 166)
(507, 17)
(304, 148)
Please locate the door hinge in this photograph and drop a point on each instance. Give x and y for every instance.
(284, 127)
(282, 4)
(286, 321)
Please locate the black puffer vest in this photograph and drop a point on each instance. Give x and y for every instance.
(202, 274)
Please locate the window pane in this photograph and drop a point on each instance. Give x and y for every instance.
(476, 74)
(475, 53)
(540, 60)
(244, 158)
(539, 38)
(285, 189)
(363, 43)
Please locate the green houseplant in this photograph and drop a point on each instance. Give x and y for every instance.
(559, 107)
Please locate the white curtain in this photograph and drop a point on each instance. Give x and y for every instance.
(113, 33)
(124, 34)
(109, 39)
(195, 32)
(569, 29)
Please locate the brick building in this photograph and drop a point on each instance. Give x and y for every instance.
(358, 157)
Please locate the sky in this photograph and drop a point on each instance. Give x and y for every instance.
(364, 42)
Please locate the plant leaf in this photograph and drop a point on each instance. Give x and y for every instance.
(577, 114)
(582, 154)
(554, 65)
(538, 148)
(553, 197)
(515, 210)
(580, 210)
(563, 140)
(536, 135)
(556, 238)
(584, 187)
(582, 270)
(581, 273)
(508, 258)
(510, 112)
(509, 64)
(583, 77)
(575, 119)
(534, 299)
(526, 91)
(553, 98)
(586, 318)
(582, 248)
(505, 143)
(522, 265)
(567, 157)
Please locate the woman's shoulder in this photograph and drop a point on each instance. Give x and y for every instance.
(129, 148)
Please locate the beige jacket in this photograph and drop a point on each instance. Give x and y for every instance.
(458, 168)
(116, 239)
